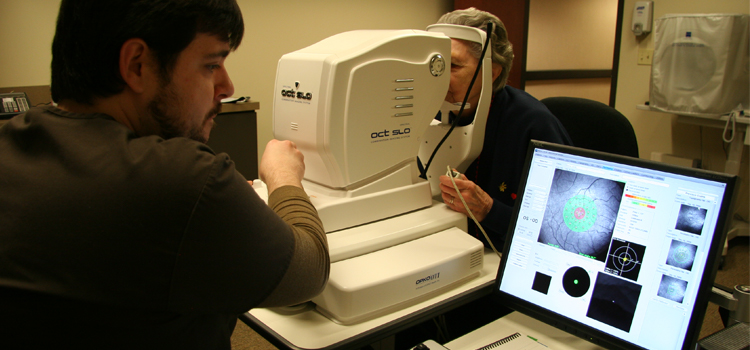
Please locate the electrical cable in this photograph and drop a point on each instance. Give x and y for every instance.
(731, 119)
(440, 334)
(466, 98)
(461, 197)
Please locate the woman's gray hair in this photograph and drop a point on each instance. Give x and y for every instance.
(502, 49)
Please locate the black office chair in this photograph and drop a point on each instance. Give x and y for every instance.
(594, 125)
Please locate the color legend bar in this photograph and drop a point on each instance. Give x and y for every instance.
(640, 198)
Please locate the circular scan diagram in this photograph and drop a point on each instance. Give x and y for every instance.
(682, 255)
(580, 213)
(576, 281)
(625, 259)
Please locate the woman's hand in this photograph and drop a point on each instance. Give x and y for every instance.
(477, 200)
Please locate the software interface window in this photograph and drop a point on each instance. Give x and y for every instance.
(615, 247)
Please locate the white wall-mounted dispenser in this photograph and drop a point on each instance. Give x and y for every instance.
(642, 17)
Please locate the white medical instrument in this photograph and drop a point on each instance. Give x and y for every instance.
(359, 106)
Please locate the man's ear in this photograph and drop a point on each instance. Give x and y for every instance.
(133, 64)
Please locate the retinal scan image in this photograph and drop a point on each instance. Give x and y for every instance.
(613, 301)
(691, 219)
(581, 213)
(672, 288)
(681, 254)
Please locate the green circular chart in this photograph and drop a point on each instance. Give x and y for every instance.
(682, 255)
(580, 213)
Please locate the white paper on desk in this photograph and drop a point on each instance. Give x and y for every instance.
(521, 342)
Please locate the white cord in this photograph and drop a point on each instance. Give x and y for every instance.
(461, 197)
(731, 118)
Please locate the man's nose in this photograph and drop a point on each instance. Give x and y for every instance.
(224, 86)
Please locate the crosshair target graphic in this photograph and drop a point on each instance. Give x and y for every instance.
(580, 213)
(624, 259)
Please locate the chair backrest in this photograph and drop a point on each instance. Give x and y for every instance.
(594, 125)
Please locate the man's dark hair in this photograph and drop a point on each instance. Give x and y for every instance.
(90, 33)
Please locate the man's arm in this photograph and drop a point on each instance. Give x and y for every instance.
(310, 264)
(237, 252)
(282, 168)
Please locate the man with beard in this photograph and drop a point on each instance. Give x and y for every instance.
(119, 227)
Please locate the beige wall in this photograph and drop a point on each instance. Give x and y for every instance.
(593, 89)
(272, 28)
(571, 34)
(275, 28)
(28, 27)
(658, 132)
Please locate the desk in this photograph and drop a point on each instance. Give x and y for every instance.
(236, 134)
(305, 328)
(517, 322)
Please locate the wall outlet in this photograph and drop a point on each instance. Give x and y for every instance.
(645, 56)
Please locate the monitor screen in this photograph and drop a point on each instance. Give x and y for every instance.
(617, 250)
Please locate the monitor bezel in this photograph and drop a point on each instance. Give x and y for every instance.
(707, 279)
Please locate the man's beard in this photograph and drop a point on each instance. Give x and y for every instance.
(165, 111)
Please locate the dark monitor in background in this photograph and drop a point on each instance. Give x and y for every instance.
(620, 251)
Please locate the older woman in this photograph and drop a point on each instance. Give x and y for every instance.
(515, 117)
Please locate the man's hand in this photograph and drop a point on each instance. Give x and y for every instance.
(478, 201)
(282, 164)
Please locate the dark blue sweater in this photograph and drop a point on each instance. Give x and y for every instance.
(514, 119)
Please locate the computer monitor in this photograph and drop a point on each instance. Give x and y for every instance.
(617, 250)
